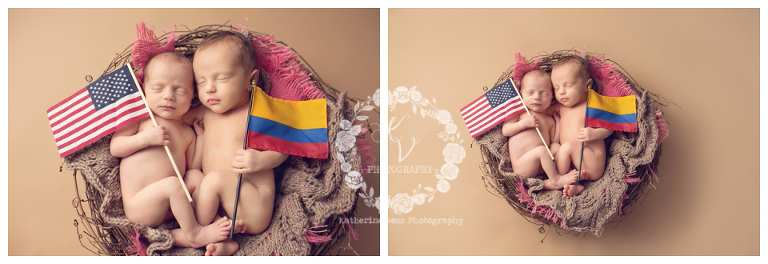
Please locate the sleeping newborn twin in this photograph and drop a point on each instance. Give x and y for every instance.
(563, 132)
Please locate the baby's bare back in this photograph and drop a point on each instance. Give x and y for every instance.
(528, 139)
(151, 164)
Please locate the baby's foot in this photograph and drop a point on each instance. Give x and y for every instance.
(215, 232)
(240, 226)
(223, 248)
(569, 178)
(571, 190)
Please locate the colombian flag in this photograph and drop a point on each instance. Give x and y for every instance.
(614, 113)
(292, 127)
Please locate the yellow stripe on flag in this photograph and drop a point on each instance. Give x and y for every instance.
(297, 114)
(618, 105)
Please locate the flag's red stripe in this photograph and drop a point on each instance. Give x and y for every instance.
(599, 123)
(96, 137)
(475, 133)
(480, 107)
(264, 142)
(95, 119)
(473, 102)
(90, 104)
(68, 98)
(94, 129)
(500, 111)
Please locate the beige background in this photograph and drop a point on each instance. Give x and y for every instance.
(706, 62)
(52, 50)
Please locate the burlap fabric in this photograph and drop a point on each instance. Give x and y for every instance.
(600, 200)
(309, 191)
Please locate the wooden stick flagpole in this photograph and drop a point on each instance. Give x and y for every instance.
(167, 151)
(581, 156)
(240, 175)
(529, 114)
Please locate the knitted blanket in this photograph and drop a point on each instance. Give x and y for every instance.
(308, 192)
(601, 199)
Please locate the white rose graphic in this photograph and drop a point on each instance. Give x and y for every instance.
(450, 128)
(402, 203)
(416, 96)
(443, 186)
(344, 141)
(444, 117)
(354, 179)
(401, 94)
(449, 171)
(376, 97)
(454, 153)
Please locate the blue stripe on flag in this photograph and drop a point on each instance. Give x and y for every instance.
(287, 133)
(611, 117)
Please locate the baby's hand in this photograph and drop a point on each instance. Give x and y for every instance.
(199, 127)
(245, 161)
(157, 136)
(585, 134)
(531, 122)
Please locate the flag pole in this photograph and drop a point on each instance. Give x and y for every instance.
(167, 151)
(240, 175)
(581, 156)
(529, 114)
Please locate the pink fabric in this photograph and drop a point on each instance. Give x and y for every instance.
(313, 237)
(145, 46)
(521, 67)
(613, 83)
(289, 79)
(542, 210)
(138, 248)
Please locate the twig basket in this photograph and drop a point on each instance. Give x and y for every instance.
(636, 160)
(100, 210)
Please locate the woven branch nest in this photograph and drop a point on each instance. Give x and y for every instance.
(632, 162)
(110, 235)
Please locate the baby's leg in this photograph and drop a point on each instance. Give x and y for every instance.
(169, 193)
(529, 164)
(594, 164)
(255, 205)
(214, 186)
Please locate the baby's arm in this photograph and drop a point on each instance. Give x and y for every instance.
(513, 125)
(126, 140)
(251, 160)
(196, 159)
(193, 114)
(589, 134)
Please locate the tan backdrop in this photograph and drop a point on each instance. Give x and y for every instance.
(704, 62)
(52, 50)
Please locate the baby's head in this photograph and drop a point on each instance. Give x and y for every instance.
(224, 64)
(169, 84)
(571, 80)
(536, 90)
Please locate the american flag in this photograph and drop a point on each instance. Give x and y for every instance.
(96, 110)
(492, 108)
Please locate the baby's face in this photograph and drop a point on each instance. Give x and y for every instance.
(169, 88)
(536, 90)
(222, 82)
(570, 87)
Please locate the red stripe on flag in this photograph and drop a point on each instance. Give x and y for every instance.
(499, 109)
(96, 119)
(62, 111)
(264, 142)
(67, 100)
(599, 123)
(100, 135)
(471, 103)
(96, 128)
